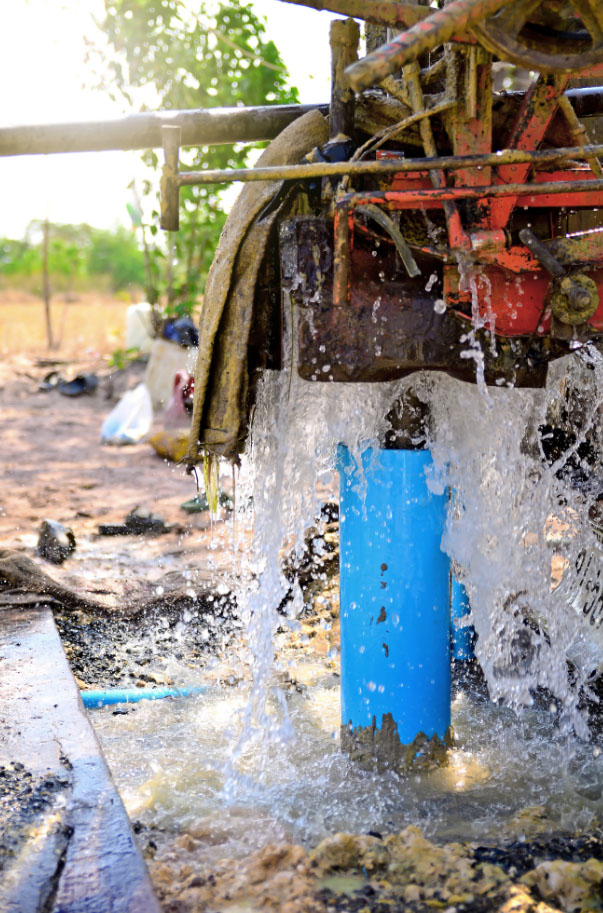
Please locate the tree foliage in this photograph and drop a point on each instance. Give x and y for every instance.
(180, 56)
(117, 254)
(76, 252)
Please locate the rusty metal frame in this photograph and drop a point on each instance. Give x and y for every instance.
(430, 198)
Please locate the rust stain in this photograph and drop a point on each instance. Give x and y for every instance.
(382, 615)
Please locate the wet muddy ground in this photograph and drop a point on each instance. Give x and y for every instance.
(55, 467)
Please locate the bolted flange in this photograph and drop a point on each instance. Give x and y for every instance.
(573, 299)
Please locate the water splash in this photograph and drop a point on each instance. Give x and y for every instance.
(485, 443)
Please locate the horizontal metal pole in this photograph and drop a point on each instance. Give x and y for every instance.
(438, 194)
(386, 166)
(205, 127)
(385, 12)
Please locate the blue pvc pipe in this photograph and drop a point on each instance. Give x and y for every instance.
(93, 699)
(394, 594)
(462, 636)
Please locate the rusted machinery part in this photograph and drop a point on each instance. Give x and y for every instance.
(540, 36)
(383, 12)
(573, 299)
(397, 327)
(437, 29)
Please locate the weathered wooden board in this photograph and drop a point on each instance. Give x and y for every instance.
(75, 851)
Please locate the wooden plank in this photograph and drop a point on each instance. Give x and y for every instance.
(79, 854)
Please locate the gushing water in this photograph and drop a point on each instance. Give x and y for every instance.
(515, 514)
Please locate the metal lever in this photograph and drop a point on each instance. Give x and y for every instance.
(541, 252)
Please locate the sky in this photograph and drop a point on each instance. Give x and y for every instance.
(44, 77)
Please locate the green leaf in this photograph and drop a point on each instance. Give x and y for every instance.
(134, 215)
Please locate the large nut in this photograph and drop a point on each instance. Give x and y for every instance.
(574, 299)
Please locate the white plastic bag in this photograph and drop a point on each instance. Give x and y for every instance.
(131, 418)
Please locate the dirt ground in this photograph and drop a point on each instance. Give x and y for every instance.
(55, 467)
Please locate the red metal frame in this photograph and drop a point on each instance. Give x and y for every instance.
(513, 284)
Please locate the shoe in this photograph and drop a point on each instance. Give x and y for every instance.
(83, 383)
(50, 381)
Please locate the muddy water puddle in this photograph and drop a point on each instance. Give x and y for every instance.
(258, 831)
(172, 763)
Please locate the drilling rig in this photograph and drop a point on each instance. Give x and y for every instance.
(451, 221)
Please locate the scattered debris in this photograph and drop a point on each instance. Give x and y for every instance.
(130, 421)
(81, 383)
(139, 522)
(56, 542)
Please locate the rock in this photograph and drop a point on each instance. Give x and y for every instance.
(340, 852)
(55, 542)
(575, 886)
(530, 821)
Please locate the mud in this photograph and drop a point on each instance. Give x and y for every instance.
(121, 652)
(374, 874)
(24, 798)
(380, 748)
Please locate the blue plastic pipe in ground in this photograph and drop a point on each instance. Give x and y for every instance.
(462, 636)
(394, 594)
(93, 699)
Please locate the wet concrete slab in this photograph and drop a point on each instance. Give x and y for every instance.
(65, 839)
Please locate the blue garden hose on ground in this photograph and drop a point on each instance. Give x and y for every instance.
(104, 698)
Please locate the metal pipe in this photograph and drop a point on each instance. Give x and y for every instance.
(438, 28)
(416, 198)
(343, 38)
(205, 127)
(170, 215)
(385, 12)
(387, 166)
(395, 647)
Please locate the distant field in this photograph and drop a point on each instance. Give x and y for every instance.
(89, 326)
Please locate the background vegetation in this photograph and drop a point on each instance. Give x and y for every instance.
(80, 258)
(163, 55)
(170, 55)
